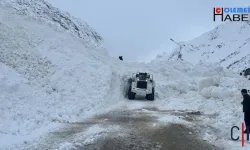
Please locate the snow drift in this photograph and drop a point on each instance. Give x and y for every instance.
(209, 89)
(53, 70)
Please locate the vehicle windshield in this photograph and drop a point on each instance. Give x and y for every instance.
(143, 76)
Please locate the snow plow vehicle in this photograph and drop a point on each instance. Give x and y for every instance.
(141, 84)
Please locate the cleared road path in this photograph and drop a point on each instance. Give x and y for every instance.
(142, 131)
(137, 129)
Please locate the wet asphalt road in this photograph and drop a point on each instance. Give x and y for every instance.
(138, 130)
(138, 133)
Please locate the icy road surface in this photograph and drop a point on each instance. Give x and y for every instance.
(126, 128)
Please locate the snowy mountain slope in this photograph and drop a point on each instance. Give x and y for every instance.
(51, 76)
(48, 75)
(45, 12)
(228, 44)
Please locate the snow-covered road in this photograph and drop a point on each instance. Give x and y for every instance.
(143, 126)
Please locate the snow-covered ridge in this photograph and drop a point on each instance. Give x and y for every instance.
(228, 44)
(48, 74)
(45, 12)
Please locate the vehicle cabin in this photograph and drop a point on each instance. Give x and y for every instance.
(245, 72)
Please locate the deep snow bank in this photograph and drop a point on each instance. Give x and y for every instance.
(207, 88)
(49, 76)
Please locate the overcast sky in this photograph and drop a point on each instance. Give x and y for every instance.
(139, 29)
